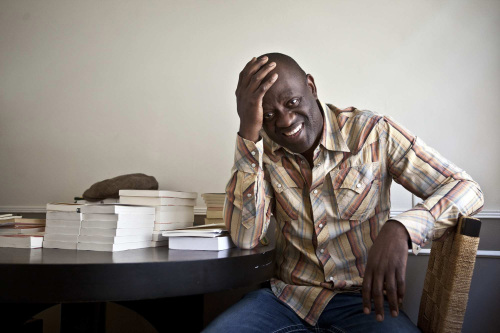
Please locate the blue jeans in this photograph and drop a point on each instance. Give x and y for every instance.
(262, 311)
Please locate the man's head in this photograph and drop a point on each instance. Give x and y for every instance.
(292, 116)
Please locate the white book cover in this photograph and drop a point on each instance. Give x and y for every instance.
(117, 209)
(151, 201)
(113, 247)
(114, 240)
(118, 217)
(172, 226)
(69, 216)
(117, 224)
(158, 194)
(61, 238)
(64, 207)
(21, 241)
(196, 243)
(63, 230)
(63, 223)
(59, 245)
(116, 232)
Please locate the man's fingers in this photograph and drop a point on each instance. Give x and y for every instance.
(243, 71)
(400, 281)
(257, 78)
(264, 87)
(378, 295)
(247, 73)
(367, 292)
(247, 66)
(392, 296)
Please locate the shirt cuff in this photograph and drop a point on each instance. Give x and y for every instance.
(419, 223)
(248, 155)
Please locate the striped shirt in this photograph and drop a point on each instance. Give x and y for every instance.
(328, 216)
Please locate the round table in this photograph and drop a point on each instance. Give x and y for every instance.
(70, 276)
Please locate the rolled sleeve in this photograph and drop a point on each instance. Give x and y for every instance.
(448, 191)
(248, 205)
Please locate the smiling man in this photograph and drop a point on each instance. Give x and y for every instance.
(325, 174)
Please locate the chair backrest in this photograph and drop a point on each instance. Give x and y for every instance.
(448, 278)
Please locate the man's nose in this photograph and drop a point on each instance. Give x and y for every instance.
(285, 119)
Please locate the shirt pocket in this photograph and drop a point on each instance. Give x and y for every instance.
(356, 191)
(286, 193)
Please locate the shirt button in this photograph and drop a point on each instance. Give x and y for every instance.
(418, 247)
(319, 163)
(253, 165)
(249, 195)
(322, 250)
(425, 240)
(321, 225)
(253, 153)
(279, 185)
(315, 191)
(331, 278)
(358, 186)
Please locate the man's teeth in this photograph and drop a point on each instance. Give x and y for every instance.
(298, 128)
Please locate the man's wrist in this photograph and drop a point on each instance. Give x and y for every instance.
(250, 135)
(400, 229)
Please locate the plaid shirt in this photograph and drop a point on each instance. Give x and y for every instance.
(328, 216)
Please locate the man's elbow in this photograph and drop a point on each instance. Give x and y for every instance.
(478, 201)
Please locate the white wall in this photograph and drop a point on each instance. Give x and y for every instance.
(95, 89)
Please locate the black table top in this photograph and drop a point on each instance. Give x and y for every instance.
(64, 276)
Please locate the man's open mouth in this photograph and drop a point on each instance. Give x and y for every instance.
(295, 131)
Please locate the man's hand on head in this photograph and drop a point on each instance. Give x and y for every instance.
(386, 270)
(249, 94)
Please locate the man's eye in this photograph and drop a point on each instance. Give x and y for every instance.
(294, 102)
(268, 115)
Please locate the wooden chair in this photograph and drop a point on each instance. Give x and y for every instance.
(448, 278)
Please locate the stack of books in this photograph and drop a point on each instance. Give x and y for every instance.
(63, 226)
(115, 227)
(21, 233)
(16, 225)
(173, 209)
(215, 207)
(213, 237)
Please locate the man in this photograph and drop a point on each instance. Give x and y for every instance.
(325, 174)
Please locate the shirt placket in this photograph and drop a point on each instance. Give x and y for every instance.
(319, 214)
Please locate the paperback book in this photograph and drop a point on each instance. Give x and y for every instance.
(21, 241)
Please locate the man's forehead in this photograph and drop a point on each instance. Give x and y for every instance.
(286, 85)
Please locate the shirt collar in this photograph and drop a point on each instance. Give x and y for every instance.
(331, 138)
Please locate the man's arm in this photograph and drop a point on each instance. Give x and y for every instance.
(249, 197)
(448, 191)
(248, 205)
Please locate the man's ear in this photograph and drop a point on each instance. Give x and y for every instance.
(312, 85)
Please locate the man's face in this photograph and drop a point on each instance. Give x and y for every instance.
(292, 117)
